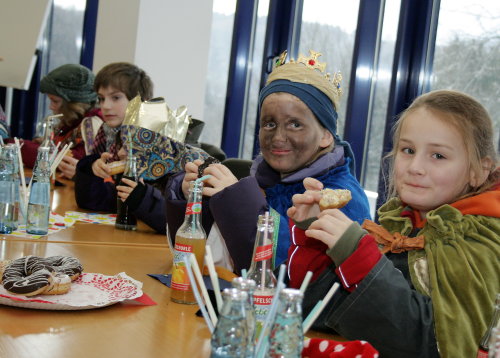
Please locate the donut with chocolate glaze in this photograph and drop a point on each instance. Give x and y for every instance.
(33, 275)
(205, 164)
(25, 276)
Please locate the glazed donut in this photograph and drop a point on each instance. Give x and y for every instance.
(205, 165)
(25, 276)
(334, 198)
(33, 275)
(60, 285)
(65, 265)
(3, 265)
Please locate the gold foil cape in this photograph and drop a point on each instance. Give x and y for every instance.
(156, 116)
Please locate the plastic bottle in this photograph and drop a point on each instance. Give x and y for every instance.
(261, 270)
(37, 221)
(248, 286)
(190, 238)
(230, 336)
(286, 339)
(485, 340)
(125, 219)
(7, 191)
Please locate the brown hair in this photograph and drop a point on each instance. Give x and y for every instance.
(472, 121)
(127, 78)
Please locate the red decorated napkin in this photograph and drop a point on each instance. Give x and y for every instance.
(324, 348)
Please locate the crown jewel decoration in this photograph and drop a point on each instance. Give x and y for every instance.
(312, 63)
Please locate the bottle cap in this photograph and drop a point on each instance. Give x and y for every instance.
(291, 294)
(235, 294)
(244, 284)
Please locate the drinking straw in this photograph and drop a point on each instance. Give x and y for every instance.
(244, 273)
(205, 177)
(213, 276)
(316, 311)
(261, 347)
(1, 141)
(197, 295)
(21, 174)
(307, 278)
(54, 154)
(263, 272)
(129, 138)
(203, 288)
(59, 157)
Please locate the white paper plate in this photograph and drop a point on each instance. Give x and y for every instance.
(90, 290)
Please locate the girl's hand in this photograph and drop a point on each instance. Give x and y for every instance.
(221, 178)
(124, 191)
(100, 168)
(329, 227)
(68, 166)
(191, 170)
(305, 205)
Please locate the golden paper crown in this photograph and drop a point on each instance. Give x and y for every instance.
(310, 71)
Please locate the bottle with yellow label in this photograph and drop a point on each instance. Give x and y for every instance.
(189, 239)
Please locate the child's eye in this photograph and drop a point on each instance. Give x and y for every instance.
(100, 99)
(268, 125)
(295, 124)
(408, 151)
(438, 156)
(116, 98)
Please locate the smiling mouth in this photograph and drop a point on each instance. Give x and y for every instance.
(280, 151)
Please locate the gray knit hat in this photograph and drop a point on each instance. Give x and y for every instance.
(73, 83)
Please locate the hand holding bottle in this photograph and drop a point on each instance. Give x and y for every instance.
(124, 191)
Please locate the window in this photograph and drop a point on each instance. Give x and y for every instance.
(218, 67)
(62, 41)
(329, 27)
(468, 50)
(382, 83)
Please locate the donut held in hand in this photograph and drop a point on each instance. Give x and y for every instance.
(334, 198)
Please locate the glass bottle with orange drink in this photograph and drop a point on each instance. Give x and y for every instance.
(189, 239)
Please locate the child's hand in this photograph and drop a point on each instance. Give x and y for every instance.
(221, 178)
(100, 168)
(305, 205)
(124, 191)
(329, 227)
(68, 166)
(191, 170)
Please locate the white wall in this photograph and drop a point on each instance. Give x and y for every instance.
(169, 39)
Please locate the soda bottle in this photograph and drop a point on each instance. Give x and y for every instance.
(230, 337)
(248, 286)
(484, 343)
(286, 338)
(125, 219)
(190, 238)
(37, 221)
(7, 191)
(48, 137)
(261, 270)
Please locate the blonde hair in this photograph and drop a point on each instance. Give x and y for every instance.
(473, 123)
(74, 112)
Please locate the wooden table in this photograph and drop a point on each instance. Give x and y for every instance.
(121, 330)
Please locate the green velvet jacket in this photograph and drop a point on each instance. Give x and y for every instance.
(458, 269)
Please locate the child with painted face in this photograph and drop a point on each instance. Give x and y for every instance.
(298, 139)
(431, 294)
(116, 84)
